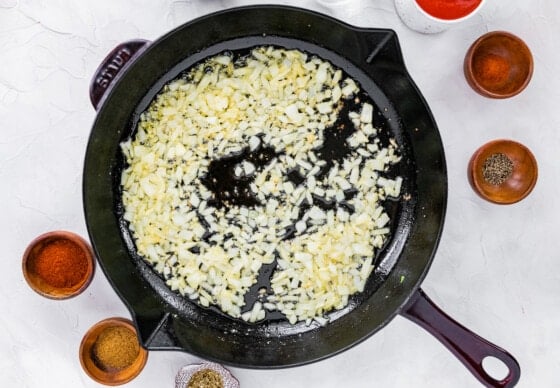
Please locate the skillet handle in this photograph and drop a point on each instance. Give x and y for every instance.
(111, 67)
(468, 347)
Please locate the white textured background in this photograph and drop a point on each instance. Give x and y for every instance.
(497, 269)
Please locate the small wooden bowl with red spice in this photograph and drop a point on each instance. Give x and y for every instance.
(58, 264)
(110, 352)
(498, 65)
(503, 171)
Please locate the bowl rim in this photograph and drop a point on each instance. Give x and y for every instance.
(53, 236)
(468, 65)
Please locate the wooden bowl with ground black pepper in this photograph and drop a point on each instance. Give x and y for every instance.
(503, 171)
(110, 352)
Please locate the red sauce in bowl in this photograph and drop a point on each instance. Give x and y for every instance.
(448, 9)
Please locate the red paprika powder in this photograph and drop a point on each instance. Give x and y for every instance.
(492, 70)
(60, 263)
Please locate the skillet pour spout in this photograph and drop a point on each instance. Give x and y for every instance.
(129, 79)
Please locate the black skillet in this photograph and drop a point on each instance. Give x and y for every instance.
(128, 80)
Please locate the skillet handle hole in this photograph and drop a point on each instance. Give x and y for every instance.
(495, 367)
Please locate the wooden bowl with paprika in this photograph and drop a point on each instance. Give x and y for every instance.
(110, 352)
(58, 264)
(498, 65)
(503, 171)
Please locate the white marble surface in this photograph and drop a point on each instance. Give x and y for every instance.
(497, 269)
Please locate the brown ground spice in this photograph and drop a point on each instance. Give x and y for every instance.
(206, 378)
(115, 348)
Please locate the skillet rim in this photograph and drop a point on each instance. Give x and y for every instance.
(402, 295)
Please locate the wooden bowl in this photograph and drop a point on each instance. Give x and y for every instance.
(519, 184)
(45, 286)
(102, 376)
(498, 65)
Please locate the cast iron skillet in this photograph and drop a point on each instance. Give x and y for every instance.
(128, 80)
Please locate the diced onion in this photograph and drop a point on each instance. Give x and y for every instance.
(284, 99)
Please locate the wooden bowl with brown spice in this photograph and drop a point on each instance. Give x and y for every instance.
(110, 352)
(503, 171)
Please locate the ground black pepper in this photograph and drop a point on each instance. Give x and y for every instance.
(497, 169)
